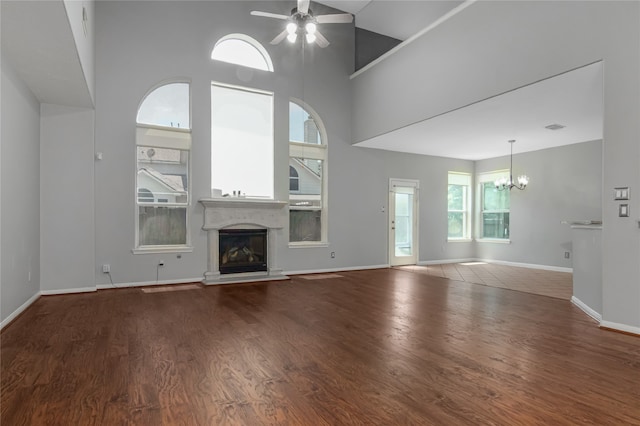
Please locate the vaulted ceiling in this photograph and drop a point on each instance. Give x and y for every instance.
(399, 19)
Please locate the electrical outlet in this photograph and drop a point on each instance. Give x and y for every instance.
(106, 268)
(333, 254)
(567, 255)
(161, 263)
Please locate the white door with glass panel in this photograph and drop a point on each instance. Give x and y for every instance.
(403, 222)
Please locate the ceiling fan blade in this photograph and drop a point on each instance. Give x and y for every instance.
(269, 15)
(279, 37)
(321, 40)
(338, 18)
(303, 6)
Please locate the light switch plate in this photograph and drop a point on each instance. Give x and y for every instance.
(621, 193)
(623, 210)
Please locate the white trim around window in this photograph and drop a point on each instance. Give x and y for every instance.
(482, 179)
(301, 152)
(462, 180)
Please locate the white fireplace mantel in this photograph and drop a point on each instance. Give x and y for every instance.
(220, 213)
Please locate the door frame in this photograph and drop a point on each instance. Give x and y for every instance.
(407, 183)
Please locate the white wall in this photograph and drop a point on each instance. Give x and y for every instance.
(566, 184)
(84, 37)
(493, 47)
(67, 242)
(20, 218)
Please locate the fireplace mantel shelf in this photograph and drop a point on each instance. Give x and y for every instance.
(234, 203)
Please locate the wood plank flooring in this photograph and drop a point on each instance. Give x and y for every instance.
(379, 347)
(536, 281)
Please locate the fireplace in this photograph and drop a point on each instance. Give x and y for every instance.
(223, 218)
(242, 250)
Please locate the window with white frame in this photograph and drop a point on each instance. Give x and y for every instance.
(494, 207)
(241, 141)
(163, 149)
(307, 176)
(459, 206)
(240, 49)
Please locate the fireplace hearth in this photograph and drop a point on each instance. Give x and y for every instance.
(242, 250)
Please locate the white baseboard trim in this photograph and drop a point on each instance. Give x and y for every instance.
(586, 309)
(20, 310)
(68, 291)
(443, 261)
(620, 327)
(527, 265)
(149, 283)
(324, 271)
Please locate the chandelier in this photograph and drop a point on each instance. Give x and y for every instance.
(504, 183)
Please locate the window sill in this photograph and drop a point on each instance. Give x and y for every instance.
(493, 240)
(162, 249)
(309, 244)
(459, 240)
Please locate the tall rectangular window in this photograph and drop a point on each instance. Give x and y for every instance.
(494, 208)
(307, 177)
(163, 147)
(458, 205)
(242, 141)
(163, 186)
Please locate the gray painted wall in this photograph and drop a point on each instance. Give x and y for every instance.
(141, 53)
(587, 275)
(135, 51)
(20, 204)
(566, 184)
(67, 243)
(511, 44)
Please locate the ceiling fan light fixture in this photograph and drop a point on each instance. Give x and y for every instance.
(311, 28)
(303, 21)
(292, 28)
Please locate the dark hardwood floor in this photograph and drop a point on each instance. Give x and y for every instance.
(379, 347)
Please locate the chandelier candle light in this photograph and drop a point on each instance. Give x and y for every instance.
(504, 183)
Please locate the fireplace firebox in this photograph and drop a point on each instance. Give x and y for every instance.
(242, 250)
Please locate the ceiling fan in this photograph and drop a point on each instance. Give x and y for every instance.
(304, 22)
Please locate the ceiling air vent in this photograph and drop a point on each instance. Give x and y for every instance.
(554, 127)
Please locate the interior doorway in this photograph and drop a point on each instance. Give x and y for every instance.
(403, 222)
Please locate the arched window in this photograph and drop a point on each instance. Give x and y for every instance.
(166, 106)
(163, 142)
(308, 158)
(294, 179)
(240, 49)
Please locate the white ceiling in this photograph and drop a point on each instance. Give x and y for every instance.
(37, 40)
(481, 130)
(399, 19)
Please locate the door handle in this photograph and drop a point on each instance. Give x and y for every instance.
(393, 227)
